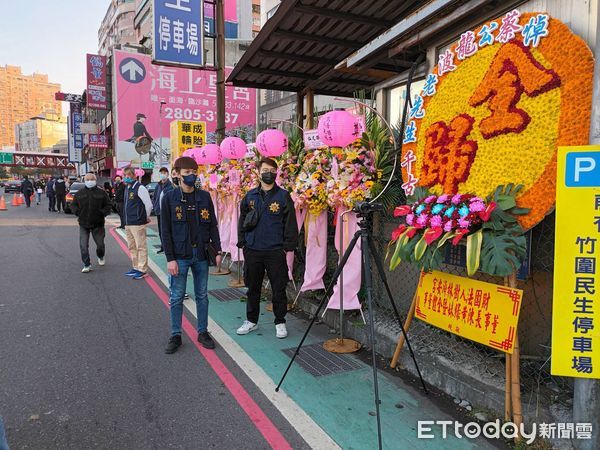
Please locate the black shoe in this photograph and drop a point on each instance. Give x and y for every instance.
(160, 250)
(206, 340)
(173, 345)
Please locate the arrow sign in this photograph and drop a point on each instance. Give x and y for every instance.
(132, 70)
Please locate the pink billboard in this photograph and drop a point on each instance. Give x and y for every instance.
(148, 98)
(230, 11)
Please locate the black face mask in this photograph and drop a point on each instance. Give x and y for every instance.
(176, 181)
(268, 177)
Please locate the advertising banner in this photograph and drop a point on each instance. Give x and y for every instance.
(577, 250)
(98, 141)
(483, 312)
(178, 32)
(189, 95)
(231, 21)
(185, 135)
(96, 82)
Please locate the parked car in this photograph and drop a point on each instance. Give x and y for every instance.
(151, 188)
(12, 186)
(69, 197)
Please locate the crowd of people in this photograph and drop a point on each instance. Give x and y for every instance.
(190, 240)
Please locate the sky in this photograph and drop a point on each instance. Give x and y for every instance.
(51, 37)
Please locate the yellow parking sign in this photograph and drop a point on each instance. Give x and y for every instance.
(576, 299)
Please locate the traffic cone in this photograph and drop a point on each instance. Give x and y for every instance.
(21, 199)
(3, 204)
(15, 201)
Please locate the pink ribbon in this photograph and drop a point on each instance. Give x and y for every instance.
(316, 252)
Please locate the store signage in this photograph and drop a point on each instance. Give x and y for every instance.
(479, 311)
(96, 82)
(576, 298)
(185, 135)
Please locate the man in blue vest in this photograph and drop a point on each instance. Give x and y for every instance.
(164, 185)
(267, 229)
(136, 212)
(189, 235)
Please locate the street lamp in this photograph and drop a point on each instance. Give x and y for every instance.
(160, 158)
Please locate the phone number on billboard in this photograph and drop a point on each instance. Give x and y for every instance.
(196, 114)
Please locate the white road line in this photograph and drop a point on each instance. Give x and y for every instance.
(306, 427)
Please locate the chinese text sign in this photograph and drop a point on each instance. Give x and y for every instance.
(178, 32)
(575, 339)
(483, 312)
(96, 82)
(186, 135)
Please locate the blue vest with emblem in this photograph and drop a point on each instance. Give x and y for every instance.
(135, 210)
(268, 234)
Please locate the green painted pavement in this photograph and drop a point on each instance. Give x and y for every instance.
(340, 404)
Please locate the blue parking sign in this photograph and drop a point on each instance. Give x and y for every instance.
(582, 169)
(178, 32)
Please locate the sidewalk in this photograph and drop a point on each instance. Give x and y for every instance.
(336, 392)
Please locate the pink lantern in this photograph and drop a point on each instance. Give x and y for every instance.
(233, 148)
(338, 128)
(209, 154)
(119, 173)
(139, 172)
(272, 143)
(189, 152)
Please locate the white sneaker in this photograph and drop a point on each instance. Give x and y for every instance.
(281, 330)
(247, 327)
(101, 261)
(86, 269)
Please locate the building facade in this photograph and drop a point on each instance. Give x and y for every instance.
(21, 97)
(117, 26)
(40, 133)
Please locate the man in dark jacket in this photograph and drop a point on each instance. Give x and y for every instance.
(27, 190)
(60, 190)
(50, 195)
(189, 234)
(265, 244)
(120, 198)
(91, 205)
(164, 185)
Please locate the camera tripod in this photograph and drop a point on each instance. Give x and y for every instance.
(364, 211)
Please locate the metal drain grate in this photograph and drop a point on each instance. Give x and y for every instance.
(227, 294)
(317, 361)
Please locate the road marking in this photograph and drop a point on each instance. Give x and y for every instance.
(304, 425)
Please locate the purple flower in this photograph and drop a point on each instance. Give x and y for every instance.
(435, 222)
(410, 218)
(477, 206)
(430, 199)
(443, 198)
(422, 220)
(448, 226)
(456, 199)
(464, 223)
(475, 199)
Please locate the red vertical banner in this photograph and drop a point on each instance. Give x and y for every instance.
(96, 82)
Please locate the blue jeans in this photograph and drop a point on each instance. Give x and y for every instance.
(177, 286)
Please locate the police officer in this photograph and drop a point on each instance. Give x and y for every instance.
(189, 235)
(163, 185)
(267, 229)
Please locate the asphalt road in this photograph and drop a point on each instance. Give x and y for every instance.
(81, 355)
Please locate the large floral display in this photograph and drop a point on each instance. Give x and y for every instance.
(495, 109)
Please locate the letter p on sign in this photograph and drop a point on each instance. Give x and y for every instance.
(583, 169)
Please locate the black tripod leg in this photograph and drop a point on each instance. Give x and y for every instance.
(328, 292)
(396, 313)
(369, 292)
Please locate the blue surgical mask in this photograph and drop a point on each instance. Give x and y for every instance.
(190, 180)
(90, 184)
(162, 176)
(128, 180)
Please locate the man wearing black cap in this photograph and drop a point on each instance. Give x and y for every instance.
(188, 232)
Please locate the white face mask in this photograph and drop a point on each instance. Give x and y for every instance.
(90, 183)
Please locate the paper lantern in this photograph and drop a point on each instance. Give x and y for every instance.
(119, 173)
(209, 154)
(189, 152)
(272, 143)
(233, 148)
(338, 128)
(139, 172)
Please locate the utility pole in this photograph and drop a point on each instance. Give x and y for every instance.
(586, 393)
(220, 28)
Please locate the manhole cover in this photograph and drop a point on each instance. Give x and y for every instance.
(317, 361)
(227, 294)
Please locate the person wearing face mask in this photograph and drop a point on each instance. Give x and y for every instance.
(91, 205)
(136, 212)
(189, 236)
(267, 229)
(164, 185)
(120, 198)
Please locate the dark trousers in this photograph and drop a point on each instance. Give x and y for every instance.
(120, 211)
(84, 243)
(255, 264)
(51, 202)
(60, 202)
(27, 198)
(159, 236)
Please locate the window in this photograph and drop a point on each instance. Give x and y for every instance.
(396, 98)
(256, 9)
